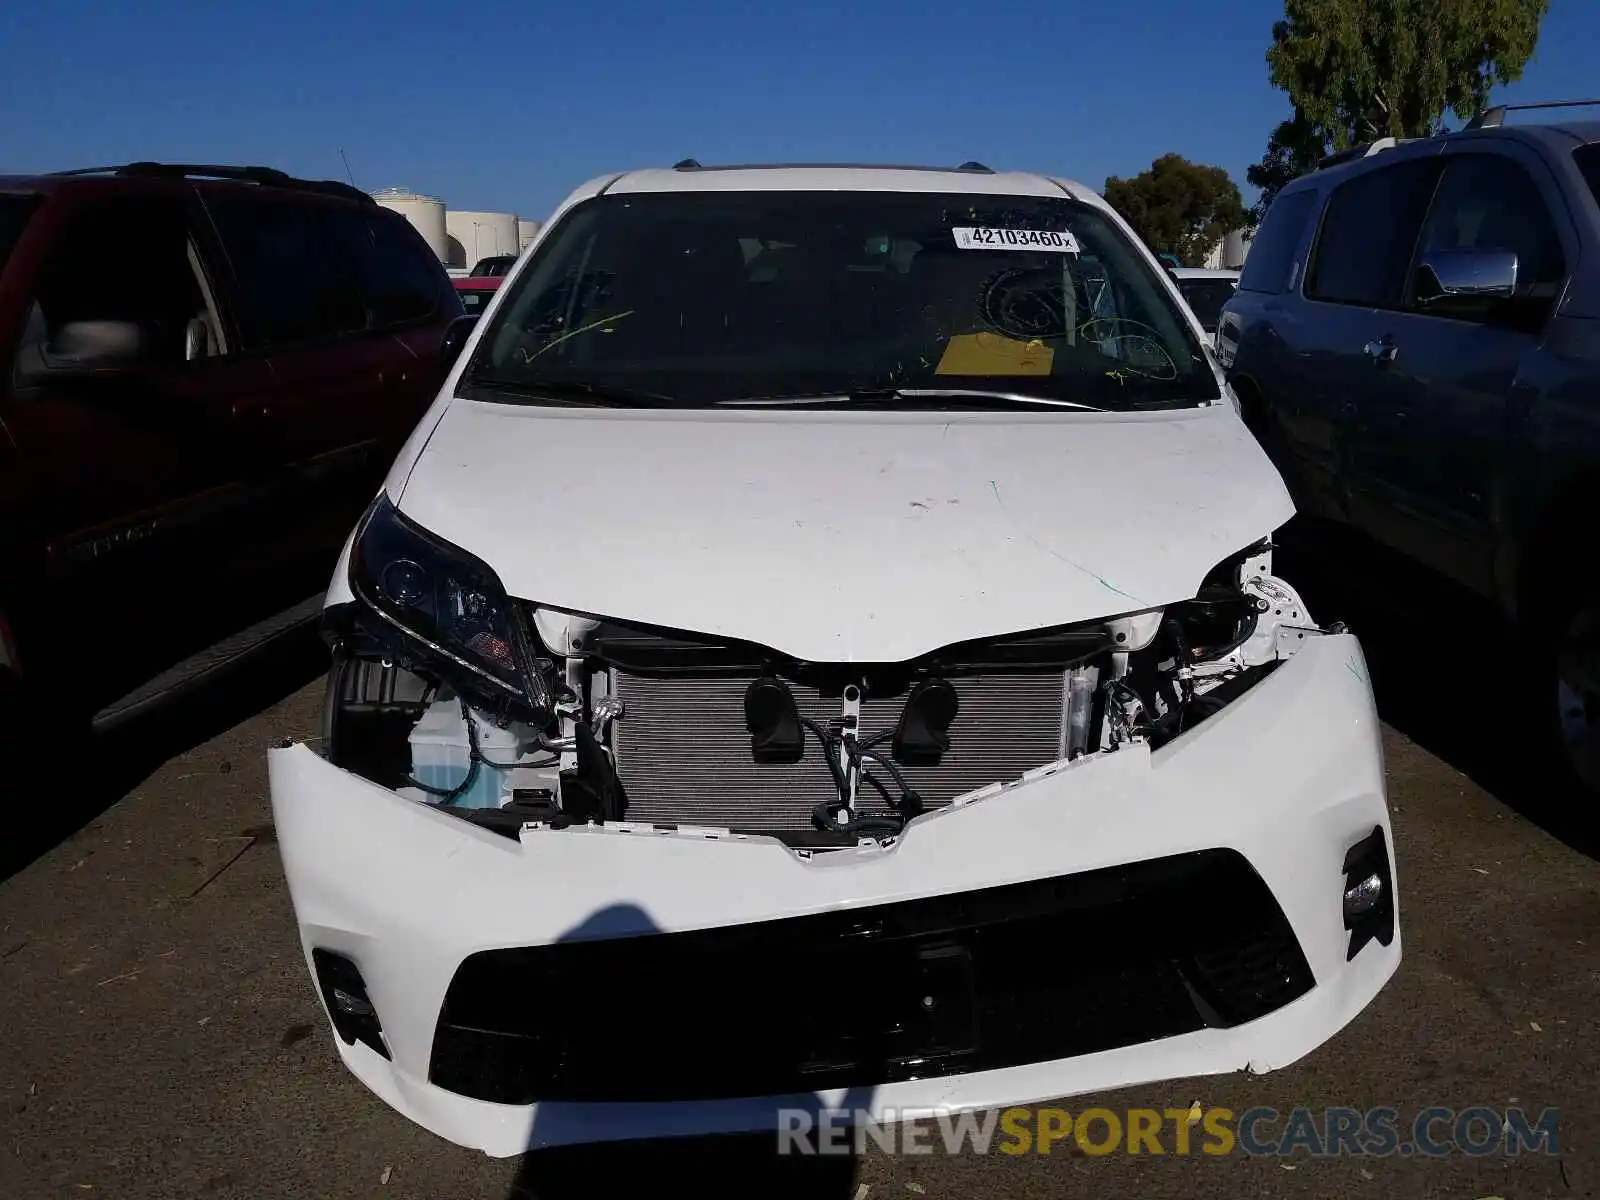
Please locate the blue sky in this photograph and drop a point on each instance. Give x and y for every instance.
(503, 106)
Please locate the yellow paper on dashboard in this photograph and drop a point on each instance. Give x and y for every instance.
(994, 354)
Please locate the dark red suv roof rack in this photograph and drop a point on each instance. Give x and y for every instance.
(263, 176)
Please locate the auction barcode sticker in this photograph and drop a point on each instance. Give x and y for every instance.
(1048, 240)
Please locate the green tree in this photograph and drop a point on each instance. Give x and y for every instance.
(1295, 147)
(1358, 70)
(1179, 207)
(1364, 69)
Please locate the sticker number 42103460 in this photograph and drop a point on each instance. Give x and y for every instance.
(1048, 240)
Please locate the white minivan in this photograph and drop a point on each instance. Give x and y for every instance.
(1205, 291)
(821, 653)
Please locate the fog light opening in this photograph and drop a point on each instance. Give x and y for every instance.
(1368, 900)
(353, 1006)
(1364, 897)
(344, 995)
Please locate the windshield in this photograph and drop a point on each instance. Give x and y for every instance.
(14, 214)
(701, 298)
(1206, 297)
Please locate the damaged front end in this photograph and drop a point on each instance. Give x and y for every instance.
(509, 714)
(1135, 848)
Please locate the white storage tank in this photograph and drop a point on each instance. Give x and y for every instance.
(424, 212)
(482, 235)
(526, 231)
(1235, 248)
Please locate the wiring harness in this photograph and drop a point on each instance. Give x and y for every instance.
(840, 816)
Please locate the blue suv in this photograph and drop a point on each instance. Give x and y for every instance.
(1416, 342)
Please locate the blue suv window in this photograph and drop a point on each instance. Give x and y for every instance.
(1488, 202)
(1363, 250)
(1266, 267)
(1588, 160)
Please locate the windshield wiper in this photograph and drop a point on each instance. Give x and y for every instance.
(567, 391)
(967, 397)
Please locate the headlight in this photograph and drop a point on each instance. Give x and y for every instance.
(452, 608)
(1215, 622)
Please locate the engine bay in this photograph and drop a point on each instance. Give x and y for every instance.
(624, 723)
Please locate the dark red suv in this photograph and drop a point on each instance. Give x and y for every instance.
(204, 374)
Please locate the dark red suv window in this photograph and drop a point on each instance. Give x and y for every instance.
(15, 212)
(293, 284)
(398, 276)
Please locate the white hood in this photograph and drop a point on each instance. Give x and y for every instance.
(845, 536)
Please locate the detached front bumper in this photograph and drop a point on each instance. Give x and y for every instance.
(868, 974)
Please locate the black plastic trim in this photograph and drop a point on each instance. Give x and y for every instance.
(643, 649)
(941, 985)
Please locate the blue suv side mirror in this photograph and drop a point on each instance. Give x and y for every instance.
(1446, 275)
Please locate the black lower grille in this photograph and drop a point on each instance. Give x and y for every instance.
(941, 985)
(684, 754)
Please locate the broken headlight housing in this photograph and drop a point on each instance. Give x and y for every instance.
(450, 614)
(1207, 651)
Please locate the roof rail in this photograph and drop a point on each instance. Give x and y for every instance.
(1362, 150)
(263, 176)
(690, 164)
(1495, 116)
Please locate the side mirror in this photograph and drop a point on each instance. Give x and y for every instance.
(96, 345)
(83, 350)
(1454, 275)
(455, 338)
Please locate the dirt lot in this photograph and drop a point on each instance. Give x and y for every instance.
(161, 1037)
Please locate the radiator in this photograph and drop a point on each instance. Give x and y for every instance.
(683, 752)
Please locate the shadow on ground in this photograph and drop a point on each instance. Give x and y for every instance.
(741, 1167)
(120, 760)
(784, 1162)
(1444, 672)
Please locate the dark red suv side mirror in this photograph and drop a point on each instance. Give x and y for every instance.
(455, 338)
(86, 351)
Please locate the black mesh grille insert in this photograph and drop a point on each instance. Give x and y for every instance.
(684, 755)
(941, 985)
